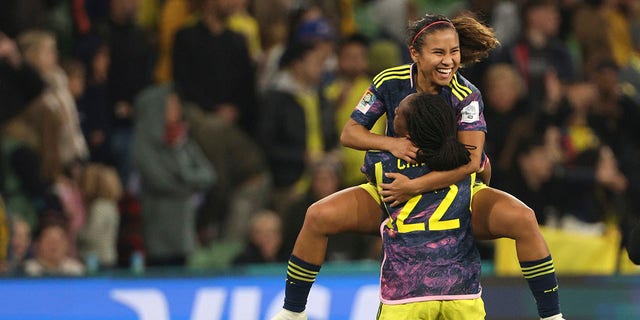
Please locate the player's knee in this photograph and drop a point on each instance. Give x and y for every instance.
(526, 220)
(320, 218)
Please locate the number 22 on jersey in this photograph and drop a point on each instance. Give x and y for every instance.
(436, 221)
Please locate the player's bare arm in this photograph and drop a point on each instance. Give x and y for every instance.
(356, 136)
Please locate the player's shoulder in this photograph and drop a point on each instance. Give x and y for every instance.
(392, 75)
(461, 87)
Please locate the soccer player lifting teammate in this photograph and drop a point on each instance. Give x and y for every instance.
(431, 266)
(438, 47)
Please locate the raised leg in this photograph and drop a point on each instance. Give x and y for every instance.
(349, 210)
(497, 214)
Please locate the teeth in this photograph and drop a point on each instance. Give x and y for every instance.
(445, 71)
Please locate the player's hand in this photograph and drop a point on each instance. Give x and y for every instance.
(404, 149)
(398, 191)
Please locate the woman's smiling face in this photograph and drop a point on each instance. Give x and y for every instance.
(438, 58)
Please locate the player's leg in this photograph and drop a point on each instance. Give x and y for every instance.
(354, 209)
(497, 214)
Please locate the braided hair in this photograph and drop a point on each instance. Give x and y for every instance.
(432, 127)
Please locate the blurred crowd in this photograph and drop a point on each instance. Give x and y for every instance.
(195, 133)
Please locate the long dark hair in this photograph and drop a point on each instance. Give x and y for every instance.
(432, 127)
(476, 39)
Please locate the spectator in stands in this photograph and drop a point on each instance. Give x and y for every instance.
(92, 101)
(589, 167)
(129, 72)
(539, 53)
(294, 128)
(215, 76)
(287, 30)
(40, 50)
(243, 184)
(614, 34)
(67, 189)
(319, 32)
(19, 245)
(173, 15)
(17, 16)
(212, 66)
(264, 240)
(343, 92)
(530, 178)
(102, 189)
(505, 101)
(172, 171)
(615, 117)
(272, 16)
(244, 23)
(20, 82)
(589, 27)
(30, 151)
(51, 251)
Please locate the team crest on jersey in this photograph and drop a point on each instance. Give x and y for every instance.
(366, 101)
(470, 113)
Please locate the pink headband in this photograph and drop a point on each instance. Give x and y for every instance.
(427, 27)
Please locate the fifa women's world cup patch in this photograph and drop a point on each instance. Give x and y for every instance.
(366, 101)
(470, 113)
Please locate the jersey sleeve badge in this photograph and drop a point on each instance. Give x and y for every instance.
(366, 101)
(470, 113)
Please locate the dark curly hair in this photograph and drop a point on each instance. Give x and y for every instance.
(432, 127)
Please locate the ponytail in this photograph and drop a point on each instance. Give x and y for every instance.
(452, 154)
(432, 127)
